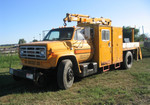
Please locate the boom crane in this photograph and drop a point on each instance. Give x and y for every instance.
(86, 19)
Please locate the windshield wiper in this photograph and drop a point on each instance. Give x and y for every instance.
(65, 39)
(45, 40)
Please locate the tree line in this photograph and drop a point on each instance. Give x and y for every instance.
(21, 41)
(127, 32)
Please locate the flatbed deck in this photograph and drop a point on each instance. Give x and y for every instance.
(131, 46)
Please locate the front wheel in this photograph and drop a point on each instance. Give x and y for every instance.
(65, 75)
(128, 60)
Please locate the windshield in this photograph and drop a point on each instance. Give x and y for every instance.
(59, 34)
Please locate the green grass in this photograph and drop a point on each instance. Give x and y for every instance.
(7, 59)
(122, 87)
(143, 77)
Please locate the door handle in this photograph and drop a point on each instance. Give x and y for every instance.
(109, 44)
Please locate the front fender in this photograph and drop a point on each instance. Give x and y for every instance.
(62, 55)
(67, 55)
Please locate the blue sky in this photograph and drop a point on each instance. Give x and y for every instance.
(28, 18)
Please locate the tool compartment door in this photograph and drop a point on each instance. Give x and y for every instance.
(117, 44)
(105, 46)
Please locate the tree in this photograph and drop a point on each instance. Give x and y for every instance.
(141, 37)
(21, 41)
(35, 40)
(127, 32)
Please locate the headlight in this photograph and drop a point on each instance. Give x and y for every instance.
(42, 53)
(21, 52)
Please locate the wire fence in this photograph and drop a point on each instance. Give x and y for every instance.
(9, 58)
(147, 45)
(8, 50)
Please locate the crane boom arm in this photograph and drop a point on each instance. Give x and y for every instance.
(85, 19)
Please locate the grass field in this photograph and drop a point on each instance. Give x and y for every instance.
(113, 87)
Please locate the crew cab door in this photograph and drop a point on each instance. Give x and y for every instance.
(105, 45)
(82, 47)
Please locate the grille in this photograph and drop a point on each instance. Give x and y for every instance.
(33, 52)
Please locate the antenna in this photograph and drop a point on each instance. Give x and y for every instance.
(143, 29)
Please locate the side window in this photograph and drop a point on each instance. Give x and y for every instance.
(79, 34)
(54, 35)
(105, 35)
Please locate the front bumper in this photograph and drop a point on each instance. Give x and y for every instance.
(43, 64)
(22, 73)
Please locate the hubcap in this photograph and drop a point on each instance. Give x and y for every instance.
(69, 75)
(129, 60)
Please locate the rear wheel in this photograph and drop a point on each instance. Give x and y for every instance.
(128, 60)
(65, 75)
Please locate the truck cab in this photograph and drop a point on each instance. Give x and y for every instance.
(58, 43)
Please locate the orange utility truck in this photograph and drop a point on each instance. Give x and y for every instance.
(84, 50)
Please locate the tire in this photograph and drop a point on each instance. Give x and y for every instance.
(65, 75)
(128, 60)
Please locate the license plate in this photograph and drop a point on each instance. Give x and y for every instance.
(11, 71)
(29, 76)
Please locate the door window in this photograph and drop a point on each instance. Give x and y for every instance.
(105, 35)
(79, 34)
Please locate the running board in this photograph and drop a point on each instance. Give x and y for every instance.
(88, 69)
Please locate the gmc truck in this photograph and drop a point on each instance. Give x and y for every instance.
(91, 46)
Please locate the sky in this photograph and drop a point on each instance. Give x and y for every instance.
(28, 18)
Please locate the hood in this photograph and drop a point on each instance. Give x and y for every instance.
(51, 44)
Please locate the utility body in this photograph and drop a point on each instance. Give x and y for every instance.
(80, 51)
